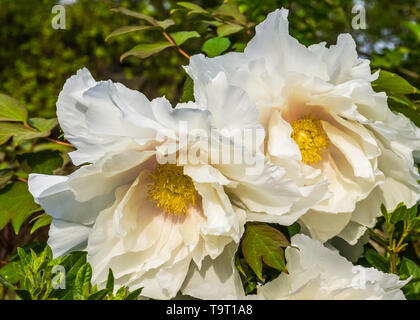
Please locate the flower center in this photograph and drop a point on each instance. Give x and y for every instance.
(310, 137)
(171, 189)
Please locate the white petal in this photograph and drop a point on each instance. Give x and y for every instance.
(216, 279)
(67, 236)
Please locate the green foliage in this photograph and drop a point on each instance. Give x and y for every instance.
(395, 237)
(215, 46)
(11, 109)
(16, 204)
(411, 269)
(40, 277)
(264, 243)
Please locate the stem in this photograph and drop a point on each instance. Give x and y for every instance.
(169, 38)
(393, 267)
(60, 142)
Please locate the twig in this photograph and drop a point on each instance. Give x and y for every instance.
(169, 38)
(60, 142)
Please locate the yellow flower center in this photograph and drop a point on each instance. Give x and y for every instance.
(171, 189)
(310, 137)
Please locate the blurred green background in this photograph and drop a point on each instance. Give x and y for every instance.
(35, 59)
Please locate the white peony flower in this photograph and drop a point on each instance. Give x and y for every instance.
(318, 273)
(157, 224)
(323, 121)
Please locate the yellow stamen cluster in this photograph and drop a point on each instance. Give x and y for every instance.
(172, 190)
(310, 137)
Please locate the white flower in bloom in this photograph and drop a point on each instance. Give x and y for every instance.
(318, 273)
(323, 120)
(154, 223)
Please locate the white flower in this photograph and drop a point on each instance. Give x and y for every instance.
(324, 122)
(318, 273)
(157, 224)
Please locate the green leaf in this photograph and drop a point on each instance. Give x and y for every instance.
(399, 214)
(120, 293)
(227, 29)
(188, 91)
(215, 46)
(41, 221)
(43, 125)
(6, 283)
(263, 243)
(5, 176)
(376, 260)
(137, 15)
(410, 268)
(19, 132)
(145, 50)
(8, 272)
(165, 24)
(230, 9)
(83, 278)
(127, 29)
(181, 36)
(414, 28)
(24, 294)
(293, 229)
(393, 84)
(110, 282)
(161, 24)
(44, 162)
(16, 203)
(72, 263)
(134, 295)
(11, 109)
(191, 6)
(98, 295)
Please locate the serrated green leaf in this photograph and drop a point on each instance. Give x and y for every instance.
(83, 278)
(228, 29)
(134, 295)
(181, 36)
(44, 162)
(110, 281)
(376, 260)
(215, 46)
(264, 243)
(41, 221)
(145, 50)
(17, 204)
(393, 84)
(11, 109)
(43, 125)
(128, 29)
